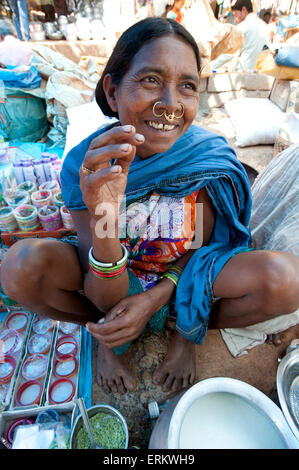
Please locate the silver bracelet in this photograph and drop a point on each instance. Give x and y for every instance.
(109, 265)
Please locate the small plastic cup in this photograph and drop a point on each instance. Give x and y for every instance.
(50, 217)
(66, 367)
(7, 367)
(39, 344)
(35, 367)
(27, 218)
(8, 221)
(42, 325)
(61, 391)
(10, 342)
(29, 393)
(66, 345)
(17, 321)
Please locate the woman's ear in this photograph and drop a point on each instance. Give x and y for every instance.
(109, 90)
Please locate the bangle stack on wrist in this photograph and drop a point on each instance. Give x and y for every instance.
(108, 270)
(173, 274)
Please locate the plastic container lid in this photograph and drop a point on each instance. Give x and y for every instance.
(66, 368)
(68, 328)
(66, 346)
(17, 321)
(39, 344)
(10, 341)
(62, 391)
(34, 367)
(7, 368)
(29, 393)
(42, 325)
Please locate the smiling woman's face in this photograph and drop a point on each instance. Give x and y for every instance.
(164, 70)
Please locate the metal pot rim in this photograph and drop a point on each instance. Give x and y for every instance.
(236, 387)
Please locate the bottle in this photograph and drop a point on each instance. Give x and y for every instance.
(39, 171)
(47, 166)
(18, 171)
(28, 171)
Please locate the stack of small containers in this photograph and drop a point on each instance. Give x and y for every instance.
(37, 200)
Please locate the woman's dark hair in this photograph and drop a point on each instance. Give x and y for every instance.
(130, 42)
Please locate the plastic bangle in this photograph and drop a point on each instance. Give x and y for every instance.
(99, 264)
(171, 277)
(108, 275)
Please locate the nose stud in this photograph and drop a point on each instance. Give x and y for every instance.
(169, 117)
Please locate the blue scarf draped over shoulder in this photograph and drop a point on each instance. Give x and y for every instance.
(198, 159)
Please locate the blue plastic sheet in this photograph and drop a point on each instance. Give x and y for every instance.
(287, 56)
(17, 77)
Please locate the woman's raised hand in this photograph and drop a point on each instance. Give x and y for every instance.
(105, 183)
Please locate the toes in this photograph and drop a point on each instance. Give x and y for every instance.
(130, 383)
(191, 378)
(168, 383)
(121, 389)
(159, 376)
(112, 385)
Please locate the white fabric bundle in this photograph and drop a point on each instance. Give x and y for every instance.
(275, 226)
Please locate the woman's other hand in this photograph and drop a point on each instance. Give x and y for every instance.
(127, 319)
(124, 322)
(101, 182)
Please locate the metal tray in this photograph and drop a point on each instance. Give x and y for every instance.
(288, 388)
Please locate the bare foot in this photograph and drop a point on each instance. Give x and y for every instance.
(113, 373)
(274, 339)
(177, 370)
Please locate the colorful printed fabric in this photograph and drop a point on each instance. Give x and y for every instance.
(159, 230)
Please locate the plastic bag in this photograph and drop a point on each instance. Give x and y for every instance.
(266, 64)
(51, 435)
(275, 210)
(287, 56)
(22, 116)
(20, 77)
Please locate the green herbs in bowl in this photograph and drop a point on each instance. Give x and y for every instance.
(107, 430)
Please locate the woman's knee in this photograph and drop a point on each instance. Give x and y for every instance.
(23, 267)
(279, 283)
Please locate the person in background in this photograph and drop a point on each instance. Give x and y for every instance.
(60, 7)
(272, 25)
(256, 36)
(168, 8)
(47, 7)
(12, 50)
(20, 12)
(175, 13)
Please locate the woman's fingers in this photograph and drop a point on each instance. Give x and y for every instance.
(100, 158)
(118, 134)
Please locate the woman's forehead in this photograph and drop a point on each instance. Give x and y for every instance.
(163, 52)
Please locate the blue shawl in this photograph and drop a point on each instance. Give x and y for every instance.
(198, 159)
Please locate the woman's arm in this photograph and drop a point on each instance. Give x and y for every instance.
(126, 320)
(103, 188)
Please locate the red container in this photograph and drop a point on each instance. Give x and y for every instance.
(35, 367)
(25, 397)
(66, 345)
(17, 321)
(66, 367)
(7, 367)
(62, 391)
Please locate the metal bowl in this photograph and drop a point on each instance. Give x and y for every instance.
(93, 410)
(288, 389)
(245, 400)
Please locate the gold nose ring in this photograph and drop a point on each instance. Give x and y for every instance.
(169, 117)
